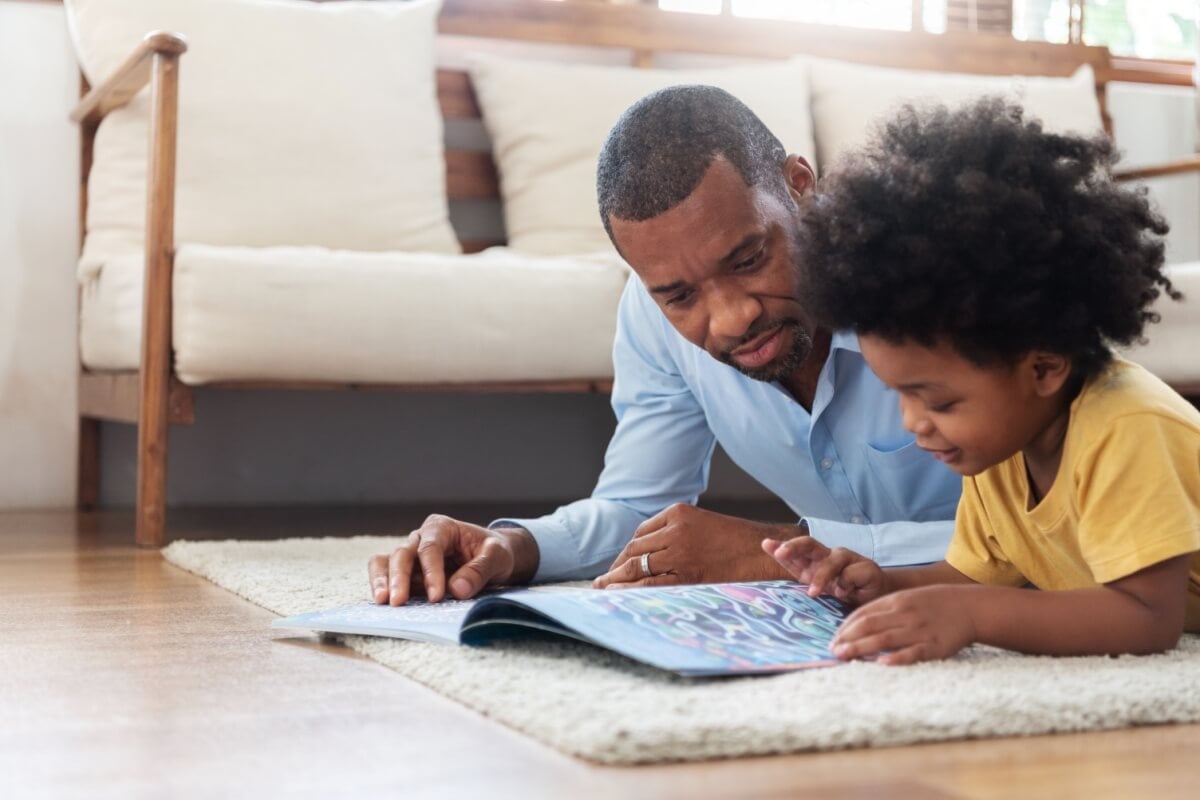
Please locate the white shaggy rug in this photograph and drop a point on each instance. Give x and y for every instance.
(602, 707)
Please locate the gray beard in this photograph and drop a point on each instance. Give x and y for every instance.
(781, 368)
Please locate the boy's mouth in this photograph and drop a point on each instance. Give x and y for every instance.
(946, 456)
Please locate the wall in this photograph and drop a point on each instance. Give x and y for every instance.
(277, 448)
(39, 173)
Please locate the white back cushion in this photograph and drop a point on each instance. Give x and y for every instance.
(848, 100)
(300, 124)
(549, 120)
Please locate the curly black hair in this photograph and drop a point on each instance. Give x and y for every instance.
(660, 148)
(976, 227)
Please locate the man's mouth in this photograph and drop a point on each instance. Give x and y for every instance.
(760, 351)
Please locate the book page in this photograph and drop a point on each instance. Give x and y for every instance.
(711, 629)
(418, 620)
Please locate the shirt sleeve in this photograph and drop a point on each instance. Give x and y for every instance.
(1138, 493)
(659, 454)
(973, 550)
(889, 544)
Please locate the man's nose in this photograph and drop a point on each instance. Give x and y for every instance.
(731, 313)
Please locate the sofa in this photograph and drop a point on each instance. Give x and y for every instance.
(280, 193)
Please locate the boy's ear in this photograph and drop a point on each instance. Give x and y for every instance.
(1050, 372)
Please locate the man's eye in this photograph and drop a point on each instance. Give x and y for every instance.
(748, 263)
(679, 299)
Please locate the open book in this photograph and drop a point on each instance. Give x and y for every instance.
(707, 629)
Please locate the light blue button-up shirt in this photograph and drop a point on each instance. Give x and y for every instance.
(849, 469)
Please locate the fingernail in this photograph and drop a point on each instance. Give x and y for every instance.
(460, 587)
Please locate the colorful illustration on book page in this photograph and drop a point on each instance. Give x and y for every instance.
(748, 627)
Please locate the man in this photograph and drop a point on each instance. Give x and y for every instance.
(714, 344)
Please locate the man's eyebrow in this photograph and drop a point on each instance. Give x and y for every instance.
(668, 288)
(749, 241)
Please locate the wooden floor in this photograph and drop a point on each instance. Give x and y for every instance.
(122, 676)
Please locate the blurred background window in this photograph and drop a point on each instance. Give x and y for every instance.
(1161, 29)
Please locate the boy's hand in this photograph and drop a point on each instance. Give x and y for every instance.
(913, 625)
(842, 573)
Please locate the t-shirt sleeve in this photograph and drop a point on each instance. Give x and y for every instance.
(974, 550)
(1138, 494)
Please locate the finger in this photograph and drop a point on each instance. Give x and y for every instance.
(626, 572)
(824, 573)
(377, 578)
(771, 547)
(472, 576)
(645, 537)
(659, 521)
(400, 572)
(665, 579)
(801, 552)
(432, 555)
(909, 655)
(857, 580)
(629, 562)
(867, 621)
(655, 542)
(892, 639)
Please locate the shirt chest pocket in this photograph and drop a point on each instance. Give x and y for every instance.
(918, 486)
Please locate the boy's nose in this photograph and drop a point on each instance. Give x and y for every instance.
(914, 418)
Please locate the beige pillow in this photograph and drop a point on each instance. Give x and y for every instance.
(849, 99)
(300, 124)
(548, 122)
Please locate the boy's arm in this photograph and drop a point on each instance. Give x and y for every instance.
(1141, 613)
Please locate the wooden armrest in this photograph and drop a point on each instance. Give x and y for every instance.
(1190, 164)
(129, 78)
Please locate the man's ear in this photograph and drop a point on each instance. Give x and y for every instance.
(1050, 372)
(800, 176)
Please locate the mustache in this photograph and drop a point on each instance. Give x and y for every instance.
(758, 329)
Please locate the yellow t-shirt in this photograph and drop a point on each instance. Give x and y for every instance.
(1126, 496)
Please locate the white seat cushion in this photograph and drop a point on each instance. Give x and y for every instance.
(300, 124)
(310, 314)
(548, 122)
(1172, 351)
(848, 100)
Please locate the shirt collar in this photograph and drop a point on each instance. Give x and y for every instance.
(844, 340)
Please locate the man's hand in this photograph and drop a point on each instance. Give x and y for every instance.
(842, 573)
(913, 625)
(685, 544)
(473, 556)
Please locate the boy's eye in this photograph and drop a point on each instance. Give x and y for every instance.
(941, 408)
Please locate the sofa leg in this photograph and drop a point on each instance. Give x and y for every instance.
(152, 469)
(155, 374)
(87, 485)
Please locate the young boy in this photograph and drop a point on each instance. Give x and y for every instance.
(988, 267)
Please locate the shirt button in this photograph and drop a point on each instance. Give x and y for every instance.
(856, 519)
(826, 463)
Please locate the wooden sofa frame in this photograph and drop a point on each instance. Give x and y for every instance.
(153, 398)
